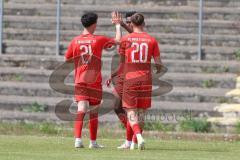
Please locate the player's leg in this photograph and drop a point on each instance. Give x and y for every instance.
(133, 119)
(122, 115)
(118, 109)
(130, 105)
(93, 123)
(129, 136)
(82, 109)
(141, 116)
(120, 112)
(93, 127)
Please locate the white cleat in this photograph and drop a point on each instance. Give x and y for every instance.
(133, 146)
(78, 144)
(141, 145)
(95, 146)
(125, 145)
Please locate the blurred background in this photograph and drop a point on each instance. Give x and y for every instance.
(200, 46)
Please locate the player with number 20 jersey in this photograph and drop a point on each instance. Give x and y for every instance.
(137, 49)
(137, 69)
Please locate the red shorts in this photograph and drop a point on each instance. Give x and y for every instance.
(88, 92)
(137, 95)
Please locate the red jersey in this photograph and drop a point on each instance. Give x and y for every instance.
(86, 51)
(138, 49)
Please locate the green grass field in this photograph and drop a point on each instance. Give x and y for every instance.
(61, 148)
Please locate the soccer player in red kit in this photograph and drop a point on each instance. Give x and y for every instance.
(85, 51)
(137, 71)
(117, 77)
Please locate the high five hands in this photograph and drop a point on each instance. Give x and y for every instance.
(116, 18)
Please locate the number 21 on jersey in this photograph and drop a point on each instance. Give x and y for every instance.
(141, 50)
(86, 50)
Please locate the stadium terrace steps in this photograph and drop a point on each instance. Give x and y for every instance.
(163, 38)
(29, 24)
(212, 80)
(164, 12)
(199, 86)
(211, 27)
(186, 66)
(178, 94)
(148, 3)
(230, 111)
(19, 116)
(20, 103)
(19, 47)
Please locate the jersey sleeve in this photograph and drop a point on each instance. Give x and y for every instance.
(69, 52)
(107, 42)
(156, 50)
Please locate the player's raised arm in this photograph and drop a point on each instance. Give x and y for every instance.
(119, 69)
(116, 19)
(126, 27)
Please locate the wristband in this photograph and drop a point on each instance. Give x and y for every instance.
(118, 26)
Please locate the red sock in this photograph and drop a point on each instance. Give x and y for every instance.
(93, 126)
(134, 139)
(129, 132)
(79, 124)
(123, 119)
(136, 129)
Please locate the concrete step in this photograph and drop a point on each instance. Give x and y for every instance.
(149, 3)
(105, 2)
(192, 94)
(182, 52)
(19, 116)
(176, 79)
(164, 12)
(178, 94)
(164, 38)
(177, 66)
(104, 24)
(18, 103)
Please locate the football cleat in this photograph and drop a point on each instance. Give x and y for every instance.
(125, 145)
(78, 144)
(141, 145)
(95, 146)
(133, 146)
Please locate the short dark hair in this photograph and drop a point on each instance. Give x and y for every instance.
(129, 14)
(89, 19)
(137, 19)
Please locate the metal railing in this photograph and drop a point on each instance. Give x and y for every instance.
(58, 27)
(1, 26)
(200, 27)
